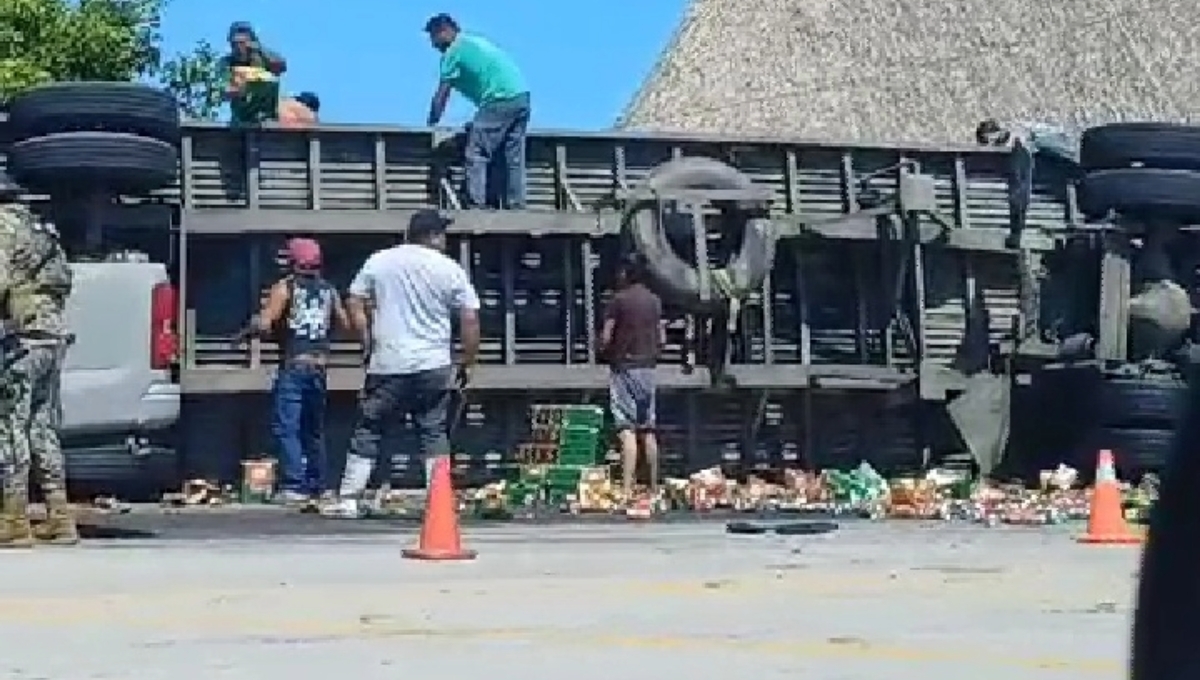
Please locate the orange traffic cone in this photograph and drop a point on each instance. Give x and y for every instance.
(1106, 521)
(440, 538)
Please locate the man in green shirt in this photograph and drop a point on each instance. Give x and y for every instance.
(253, 72)
(490, 79)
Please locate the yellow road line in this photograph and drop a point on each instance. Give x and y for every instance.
(929, 587)
(217, 626)
(200, 612)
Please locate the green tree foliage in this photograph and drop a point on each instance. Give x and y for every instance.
(44, 41)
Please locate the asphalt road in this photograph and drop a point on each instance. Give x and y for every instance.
(890, 600)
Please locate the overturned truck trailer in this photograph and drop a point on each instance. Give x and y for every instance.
(877, 314)
(887, 331)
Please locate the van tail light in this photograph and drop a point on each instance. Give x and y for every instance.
(164, 338)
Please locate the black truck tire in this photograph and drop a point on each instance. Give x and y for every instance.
(1148, 145)
(673, 277)
(1167, 195)
(74, 163)
(1142, 402)
(127, 108)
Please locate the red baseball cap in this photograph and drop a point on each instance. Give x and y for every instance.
(304, 253)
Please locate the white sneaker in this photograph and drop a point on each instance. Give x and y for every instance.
(288, 497)
(346, 508)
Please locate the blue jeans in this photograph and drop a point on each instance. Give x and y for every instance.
(298, 423)
(498, 132)
(425, 396)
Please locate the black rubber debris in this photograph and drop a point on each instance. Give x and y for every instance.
(781, 529)
(806, 528)
(746, 528)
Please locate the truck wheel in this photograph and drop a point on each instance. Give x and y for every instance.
(675, 278)
(1142, 402)
(1136, 451)
(75, 162)
(128, 108)
(1149, 145)
(1169, 195)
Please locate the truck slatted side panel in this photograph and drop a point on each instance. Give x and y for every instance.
(945, 305)
(946, 298)
(851, 427)
(998, 277)
(839, 278)
(786, 313)
(986, 195)
(591, 169)
(697, 431)
(776, 437)
(345, 170)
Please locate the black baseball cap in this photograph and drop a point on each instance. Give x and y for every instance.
(310, 100)
(439, 21)
(428, 222)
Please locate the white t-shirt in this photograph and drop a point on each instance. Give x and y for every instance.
(415, 291)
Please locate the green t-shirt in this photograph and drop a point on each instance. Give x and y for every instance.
(259, 99)
(480, 71)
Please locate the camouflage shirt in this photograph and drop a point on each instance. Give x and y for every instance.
(35, 278)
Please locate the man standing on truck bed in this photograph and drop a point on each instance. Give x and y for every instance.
(35, 281)
(253, 72)
(488, 77)
(300, 310)
(631, 338)
(414, 291)
(1027, 142)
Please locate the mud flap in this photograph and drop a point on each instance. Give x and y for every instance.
(982, 415)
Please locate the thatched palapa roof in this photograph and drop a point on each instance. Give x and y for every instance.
(920, 70)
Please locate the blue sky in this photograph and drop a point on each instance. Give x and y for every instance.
(371, 63)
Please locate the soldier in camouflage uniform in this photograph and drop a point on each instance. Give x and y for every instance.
(35, 281)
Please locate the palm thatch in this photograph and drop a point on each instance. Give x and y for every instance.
(920, 71)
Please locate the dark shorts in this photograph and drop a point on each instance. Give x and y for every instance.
(631, 398)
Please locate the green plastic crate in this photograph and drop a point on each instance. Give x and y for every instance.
(579, 446)
(566, 415)
(578, 436)
(578, 457)
(564, 477)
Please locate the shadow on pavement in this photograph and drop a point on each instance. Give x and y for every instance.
(226, 524)
(90, 532)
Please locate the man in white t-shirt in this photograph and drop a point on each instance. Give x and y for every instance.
(413, 290)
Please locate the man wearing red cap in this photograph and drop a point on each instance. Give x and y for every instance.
(300, 311)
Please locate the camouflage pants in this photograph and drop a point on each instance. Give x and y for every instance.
(30, 414)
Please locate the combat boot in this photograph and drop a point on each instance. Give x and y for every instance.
(15, 531)
(60, 527)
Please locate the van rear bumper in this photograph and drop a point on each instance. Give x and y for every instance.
(156, 409)
(159, 408)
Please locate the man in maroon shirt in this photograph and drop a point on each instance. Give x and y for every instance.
(630, 340)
